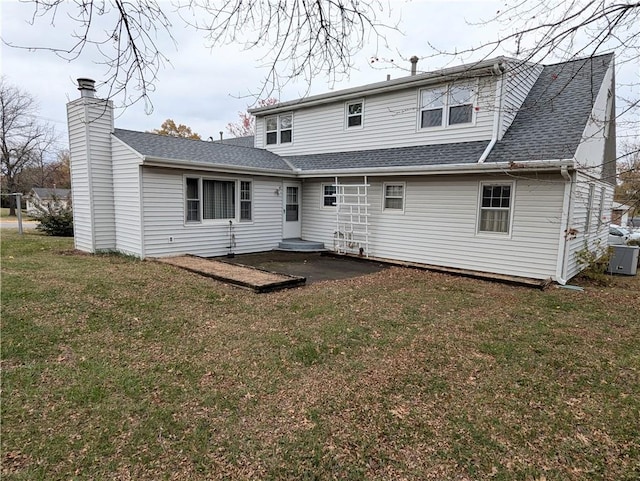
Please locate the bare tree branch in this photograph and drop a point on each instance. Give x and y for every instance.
(303, 38)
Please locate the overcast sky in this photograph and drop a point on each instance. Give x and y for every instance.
(205, 88)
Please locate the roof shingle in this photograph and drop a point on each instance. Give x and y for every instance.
(215, 153)
(550, 123)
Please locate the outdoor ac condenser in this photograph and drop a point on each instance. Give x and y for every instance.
(624, 260)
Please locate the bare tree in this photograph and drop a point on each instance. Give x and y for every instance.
(45, 172)
(302, 38)
(246, 124)
(628, 190)
(23, 138)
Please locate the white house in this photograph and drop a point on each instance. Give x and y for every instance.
(47, 198)
(499, 168)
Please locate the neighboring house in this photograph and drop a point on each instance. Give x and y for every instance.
(47, 198)
(620, 214)
(498, 168)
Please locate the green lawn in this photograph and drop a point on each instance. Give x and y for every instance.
(113, 368)
(4, 213)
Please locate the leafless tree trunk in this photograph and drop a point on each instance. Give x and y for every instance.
(23, 139)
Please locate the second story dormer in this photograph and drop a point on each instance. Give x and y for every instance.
(468, 103)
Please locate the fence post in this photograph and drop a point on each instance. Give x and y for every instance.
(19, 211)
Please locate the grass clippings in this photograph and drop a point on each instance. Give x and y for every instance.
(113, 368)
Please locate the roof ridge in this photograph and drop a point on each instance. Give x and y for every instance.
(213, 142)
(581, 59)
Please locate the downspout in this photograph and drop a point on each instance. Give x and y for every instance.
(498, 69)
(561, 266)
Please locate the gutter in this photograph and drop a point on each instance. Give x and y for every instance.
(231, 169)
(498, 69)
(498, 167)
(566, 221)
(463, 71)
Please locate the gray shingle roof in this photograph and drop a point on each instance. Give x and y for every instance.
(552, 118)
(246, 141)
(549, 126)
(49, 193)
(215, 153)
(441, 154)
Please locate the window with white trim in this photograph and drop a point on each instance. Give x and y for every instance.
(355, 113)
(215, 199)
(193, 199)
(279, 129)
(495, 208)
(446, 105)
(329, 192)
(393, 196)
(245, 200)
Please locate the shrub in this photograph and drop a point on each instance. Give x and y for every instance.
(55, 218)
(595, 262)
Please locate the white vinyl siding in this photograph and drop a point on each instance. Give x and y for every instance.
(390, 122)
(590, 152)
(597, 236)
(92, 181)
(167, 233)
(81, 194)
(519, 78)
(439, 225)
(126, 188)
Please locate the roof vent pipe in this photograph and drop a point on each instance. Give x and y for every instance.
(414, 64)
(87, 87)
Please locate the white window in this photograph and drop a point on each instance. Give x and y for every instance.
(587, 222)
(394, 196)
(245, 201)
(432, 106)
(215, 199)
(193, 200)
(328, 195)
(279, 129)
(446, 105)
(460, 104)
(495, 208)
(355, 111)
(218, 199)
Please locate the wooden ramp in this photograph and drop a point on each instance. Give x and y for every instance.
(239, 275)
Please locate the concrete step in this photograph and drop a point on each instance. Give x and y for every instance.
(299, 245)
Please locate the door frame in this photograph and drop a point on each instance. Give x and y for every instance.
(291, 229)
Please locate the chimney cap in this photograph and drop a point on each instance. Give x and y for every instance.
(87, 87)
(414, 64)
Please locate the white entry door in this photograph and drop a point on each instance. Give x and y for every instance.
(291, 208)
